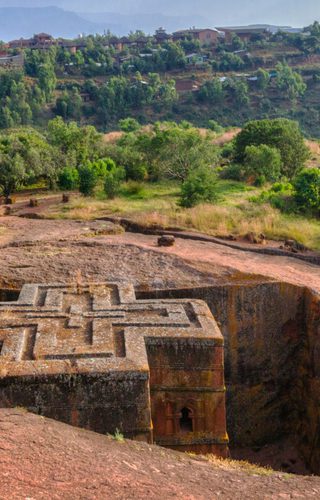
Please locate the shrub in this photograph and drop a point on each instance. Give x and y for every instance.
(87, 179)
(215, 127)
(102, 166)
(307, 186)
(227, 150)
(262, 162)
(134, 188)
(136, 172)
(232, 172)
(112, 183)
(279, 196)
(199, 187)
(129, 125)
(68, 179)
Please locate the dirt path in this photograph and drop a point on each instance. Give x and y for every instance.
(42, 459)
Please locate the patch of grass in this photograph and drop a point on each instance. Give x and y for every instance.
(234, 213)
(118, 436)
(240, 465)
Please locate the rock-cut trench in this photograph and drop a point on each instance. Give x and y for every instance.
(272, 361)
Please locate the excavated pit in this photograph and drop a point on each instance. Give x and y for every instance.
(272, 362)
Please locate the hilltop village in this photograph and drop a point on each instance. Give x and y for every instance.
(193, 74)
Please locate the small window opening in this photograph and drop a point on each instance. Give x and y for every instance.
(186, 424)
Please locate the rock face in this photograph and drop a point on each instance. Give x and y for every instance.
(45, 459)
(95, 357)
(272, 359)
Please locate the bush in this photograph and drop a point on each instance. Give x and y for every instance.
(232, 172)
(262, 162)
(87, 179)
(227, 150)
(112, 183)
(102, 166)
(279, 196)
(307, 186)
(68, 179)
(215, 127)
(129, 125)
(133, 188)
(199, 187)
(136, 172)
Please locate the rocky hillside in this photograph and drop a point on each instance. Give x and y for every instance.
(44, 459)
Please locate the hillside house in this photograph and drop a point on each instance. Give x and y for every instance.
(207, 36)
(245, 33)
(43, 41)
(161, 36)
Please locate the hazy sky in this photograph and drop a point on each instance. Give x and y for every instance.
(294, 12)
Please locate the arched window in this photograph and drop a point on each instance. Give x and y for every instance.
(186, 422)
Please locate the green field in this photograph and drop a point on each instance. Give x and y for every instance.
(233, 214)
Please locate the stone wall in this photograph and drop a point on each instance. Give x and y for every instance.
(103, 402)
(188, 374)
(309, 428)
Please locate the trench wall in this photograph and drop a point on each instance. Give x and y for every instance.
(272, 354)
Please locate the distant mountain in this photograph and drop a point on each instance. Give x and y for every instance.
(121, 24)
(216, 12)
(16, 22)
(68, 18)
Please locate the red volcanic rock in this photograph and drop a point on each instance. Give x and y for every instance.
(45, 459)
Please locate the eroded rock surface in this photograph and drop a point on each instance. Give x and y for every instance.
(43, 459)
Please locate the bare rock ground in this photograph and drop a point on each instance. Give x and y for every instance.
(42, 459)
(46, 250)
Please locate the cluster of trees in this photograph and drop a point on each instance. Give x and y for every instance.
(275, 151)
(166, 150)
(89, 173)
(20, 101)
(26, 155)
(117, 97)
(289, 83)
(120, 95)
(74, 157)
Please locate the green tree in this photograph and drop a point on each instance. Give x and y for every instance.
(113, 180)
(263, 79)
(262, 162)
(87, 179)
(281, 134)
(129, 125)
(74, 145)
(25, 156)
(239, 91)
(290, 81)
(211, 91)
(68, 179)
(47, 80)
(200, 186)
(307, 187)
